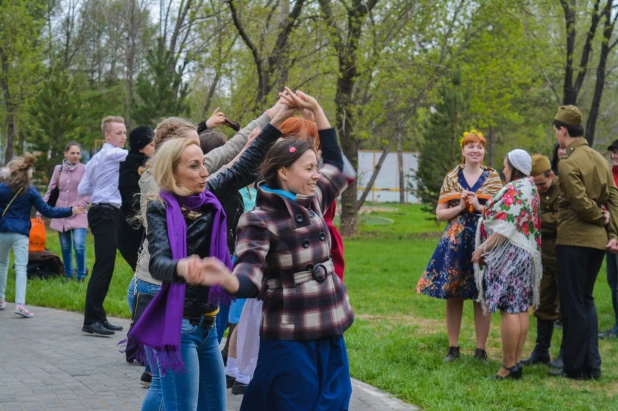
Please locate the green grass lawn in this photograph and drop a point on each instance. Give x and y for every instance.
(399, 337)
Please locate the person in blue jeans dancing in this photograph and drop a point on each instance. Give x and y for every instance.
(185, 223)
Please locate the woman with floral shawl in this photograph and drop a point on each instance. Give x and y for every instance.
(508, 258)
(450, 274)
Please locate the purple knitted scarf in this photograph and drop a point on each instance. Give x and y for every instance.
(159, 327)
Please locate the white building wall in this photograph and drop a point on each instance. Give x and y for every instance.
(386, 186)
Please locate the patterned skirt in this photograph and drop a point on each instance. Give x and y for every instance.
(450, 272)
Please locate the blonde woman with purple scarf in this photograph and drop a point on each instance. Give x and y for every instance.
(185, 224)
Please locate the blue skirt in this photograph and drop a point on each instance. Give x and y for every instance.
(300, 375)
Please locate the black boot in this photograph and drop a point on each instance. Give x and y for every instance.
(557, 363)
(453, 354)
(540, 354)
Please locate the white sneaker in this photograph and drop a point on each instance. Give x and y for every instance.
(23, 311)
(2, 304)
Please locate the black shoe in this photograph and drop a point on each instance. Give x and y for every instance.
(557, 373)
(80, 280)
(609, 334)
(536, 358)
(481, 355)
(452, 355)
(112, 327)
(146, 379)
(97, 328)
(583, 376)
(557, 363)
(515, 373)
(229, 381)
(238, 388)
(540, 354)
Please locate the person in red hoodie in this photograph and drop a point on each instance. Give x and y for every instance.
(612, 259)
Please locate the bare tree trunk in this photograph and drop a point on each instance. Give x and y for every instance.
(133, 33)
(267, 65)
(9, 121)
(10, 135)
(571, 89)
(348, 74)
(376, 170)
(608, 29)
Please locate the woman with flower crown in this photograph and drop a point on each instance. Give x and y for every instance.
(450, 273)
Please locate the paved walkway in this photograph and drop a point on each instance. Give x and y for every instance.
(48, 363)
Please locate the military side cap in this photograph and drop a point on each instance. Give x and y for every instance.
(540, 164)
(614, 146)
(569, 115)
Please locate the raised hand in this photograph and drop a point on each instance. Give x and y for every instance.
(216, 120)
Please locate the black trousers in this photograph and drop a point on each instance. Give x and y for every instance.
(129, 240)
(103, 222)
(578, 268)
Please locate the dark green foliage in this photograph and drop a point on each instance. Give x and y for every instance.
(440, 150)
(55, 119)
(161, 90)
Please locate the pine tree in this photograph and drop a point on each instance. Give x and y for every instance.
(55, 119)
(161, 90)
(440, 150)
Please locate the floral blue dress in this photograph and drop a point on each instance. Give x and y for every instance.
(450, 272)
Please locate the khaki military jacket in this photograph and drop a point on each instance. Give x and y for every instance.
(586, 184)
(549, 211)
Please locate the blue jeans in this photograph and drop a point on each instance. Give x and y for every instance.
(154, 396)
(202, 385)
(612, 281)
(19, 243)
(79, 243)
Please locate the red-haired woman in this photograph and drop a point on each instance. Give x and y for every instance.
(450, 273)
(306, 129)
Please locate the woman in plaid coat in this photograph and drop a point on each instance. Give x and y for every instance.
(283, 255)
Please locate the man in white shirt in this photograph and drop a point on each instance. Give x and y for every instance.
(100, 182)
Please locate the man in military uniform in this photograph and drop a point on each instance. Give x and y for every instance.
(586, 185)
(547, 311)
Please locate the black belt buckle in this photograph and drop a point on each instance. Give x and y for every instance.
(317, 273)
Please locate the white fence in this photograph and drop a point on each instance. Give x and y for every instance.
(386, 186)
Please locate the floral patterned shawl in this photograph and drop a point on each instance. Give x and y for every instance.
(513, 213)
(452, 189)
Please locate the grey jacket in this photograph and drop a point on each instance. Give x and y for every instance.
(216, 160)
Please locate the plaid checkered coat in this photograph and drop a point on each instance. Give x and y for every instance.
(281, 237)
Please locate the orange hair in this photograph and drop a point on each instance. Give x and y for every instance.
(472, 138)
(302, 129)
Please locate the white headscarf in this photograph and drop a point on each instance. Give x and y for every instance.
(521, 160)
